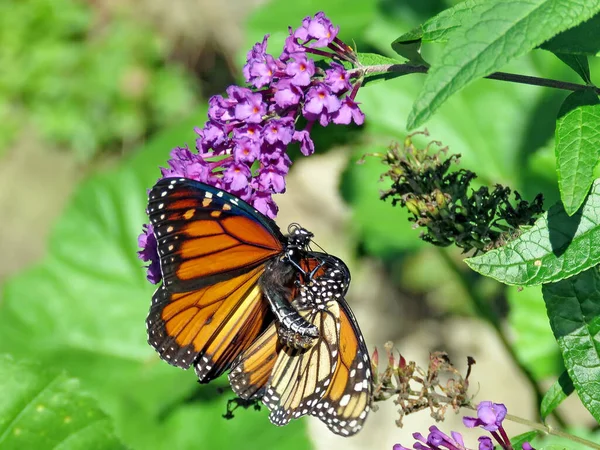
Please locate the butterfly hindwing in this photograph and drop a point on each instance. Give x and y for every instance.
(331, 380)
(346, 403)
(207, 327)
(206, 235)
(300, 376)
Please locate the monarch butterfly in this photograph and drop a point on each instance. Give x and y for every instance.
(331, 380)
(214, 249)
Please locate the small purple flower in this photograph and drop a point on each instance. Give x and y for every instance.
(337, 78)
(437, 439)
(286, 94)
(272, 177)
(260, 67)
(263, 201)
(147, 243)
(250, 107)
(242, 148)
(489, 416)
(307, 146)
(220, 109)
(246, 150)
(252, 131)
(291, 46)
(236, 176)
(212, 136)
(319, 29)
(348, 111)
(399, 447)
(301, 69)
(320, 104)
(184, 163)
(485, 443)
(279, 131)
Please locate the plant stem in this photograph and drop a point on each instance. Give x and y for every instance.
(404, 69)
(482, 307)
(553, 431)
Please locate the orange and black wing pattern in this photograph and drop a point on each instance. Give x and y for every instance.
(252, 369)
(206, 235)
(213, 248)
(332, 379)
(208, 327)
(346, 403)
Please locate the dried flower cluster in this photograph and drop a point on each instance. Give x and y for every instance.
(415, 388)
(444, 203)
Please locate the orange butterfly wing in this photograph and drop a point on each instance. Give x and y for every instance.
(346, 404)
(252, 370)
(208, 327)
(332, 380)
(206, 235)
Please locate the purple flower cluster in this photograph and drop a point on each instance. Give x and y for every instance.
(489, 417)
(242, 147)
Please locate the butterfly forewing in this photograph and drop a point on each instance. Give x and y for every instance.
(206, 235)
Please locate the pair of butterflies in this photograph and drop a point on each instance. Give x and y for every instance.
(237, 294)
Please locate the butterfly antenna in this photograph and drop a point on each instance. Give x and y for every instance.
(319, 247)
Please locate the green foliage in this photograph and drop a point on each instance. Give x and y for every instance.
(558, 392)
(82, 309)
(577, 147)
(519, 440)
(488, 37)
(42, 409)
(558, 246)
(579, 40)
(81, 84)
(391, 234)
(574, 311)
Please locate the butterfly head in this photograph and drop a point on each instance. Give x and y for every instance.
(298, 237)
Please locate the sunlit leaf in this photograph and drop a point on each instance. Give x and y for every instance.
(574, 311)
(43, 409)
(556, 247)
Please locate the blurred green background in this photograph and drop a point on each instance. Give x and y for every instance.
(93, 95)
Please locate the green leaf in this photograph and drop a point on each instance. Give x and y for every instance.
(518, 441)
(574, 311)
(579, 63)
(558, 392)
(556, 247)
(41, 409)
(534, 343)
(435, 30)
(577, 147)
(86, 307)
(579, 40)
(372, 59)
(494, 33)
